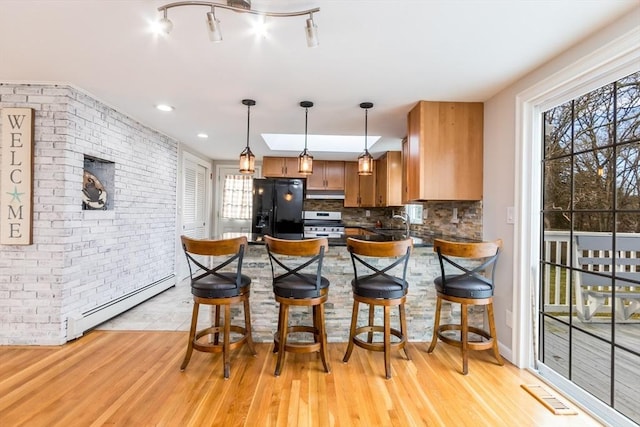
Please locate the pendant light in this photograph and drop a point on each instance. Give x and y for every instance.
(247, 159)
(305, 160)
(365, 160)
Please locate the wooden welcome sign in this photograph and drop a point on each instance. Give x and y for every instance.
(16, 179)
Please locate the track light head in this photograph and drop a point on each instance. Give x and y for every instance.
(311, 31)
(165, 25)
(215, 34)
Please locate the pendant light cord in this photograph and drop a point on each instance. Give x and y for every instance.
(306, 116)
(248, 121)
(366, 113)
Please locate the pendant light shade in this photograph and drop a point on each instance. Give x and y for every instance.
(365, 160)
(247, 159)
(305, 160)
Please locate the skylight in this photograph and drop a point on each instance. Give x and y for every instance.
(319, 143)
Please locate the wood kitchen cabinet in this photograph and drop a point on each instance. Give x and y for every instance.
(280, 167)
(389, 179)
(327, 175)
(442, 154)
(359, 191)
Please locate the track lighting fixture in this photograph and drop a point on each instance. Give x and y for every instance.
(305, 160)
(247, 159)
(240, 6)
(365, 160)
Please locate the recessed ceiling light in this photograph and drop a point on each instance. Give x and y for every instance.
(164, 107)
(203, 135)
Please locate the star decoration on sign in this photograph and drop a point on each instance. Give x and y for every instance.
(15, 195)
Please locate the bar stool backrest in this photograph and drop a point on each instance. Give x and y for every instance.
(486, 252)
(232, 248)
(285, 255)
(400, 249)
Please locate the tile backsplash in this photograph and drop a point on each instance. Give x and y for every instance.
(437, 216)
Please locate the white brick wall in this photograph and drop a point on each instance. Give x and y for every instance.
(83, 259)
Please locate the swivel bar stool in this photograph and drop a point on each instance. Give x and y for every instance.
(296, 267)
(375, 286)
(468, 284)
(215, 287)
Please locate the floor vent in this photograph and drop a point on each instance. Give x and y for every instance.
(549, 400)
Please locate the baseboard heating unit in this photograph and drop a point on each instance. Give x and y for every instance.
(77, 324)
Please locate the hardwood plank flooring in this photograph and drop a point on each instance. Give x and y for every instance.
(125, 378)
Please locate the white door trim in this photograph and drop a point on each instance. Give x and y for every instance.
(218, 183)
(609, 63)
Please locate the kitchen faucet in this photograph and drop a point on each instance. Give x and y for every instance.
(405, 220)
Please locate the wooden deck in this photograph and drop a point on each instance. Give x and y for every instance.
(591, 365)
(124, 378)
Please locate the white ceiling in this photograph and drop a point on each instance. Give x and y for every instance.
(390, 52)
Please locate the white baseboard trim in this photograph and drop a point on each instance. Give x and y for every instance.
(78, 324)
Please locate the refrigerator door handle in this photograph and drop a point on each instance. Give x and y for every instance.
(274, 220)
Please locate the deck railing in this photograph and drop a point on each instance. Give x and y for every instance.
(556, 293)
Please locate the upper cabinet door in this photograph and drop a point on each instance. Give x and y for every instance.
(315, 181)
(291, 168)
(359, 191)
(389, 179)
(351, 185)
(442, 157)
(327, 175)
(272, 167)
(334, 175)
(367, 189)
(381, 181)
(280, 167)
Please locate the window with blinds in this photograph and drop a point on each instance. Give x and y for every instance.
(236, 197)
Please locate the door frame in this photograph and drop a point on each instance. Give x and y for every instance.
(218, 189)
(609, 63)
(182, 270)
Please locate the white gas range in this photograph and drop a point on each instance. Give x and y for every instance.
(323, 224)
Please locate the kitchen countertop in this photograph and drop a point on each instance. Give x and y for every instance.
(369, 234)
(257, 239)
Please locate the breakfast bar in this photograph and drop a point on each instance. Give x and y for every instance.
(337, 267)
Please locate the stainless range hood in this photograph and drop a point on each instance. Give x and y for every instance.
(325, 194)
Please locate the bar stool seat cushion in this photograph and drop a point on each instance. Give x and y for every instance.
(467, 287)
(379, 287)
(216, 287)
(294, 286)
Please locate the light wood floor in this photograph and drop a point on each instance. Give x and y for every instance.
(123, 378)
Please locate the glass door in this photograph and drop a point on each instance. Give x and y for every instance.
(589, 308)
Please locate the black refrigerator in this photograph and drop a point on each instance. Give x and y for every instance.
(277, 207)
